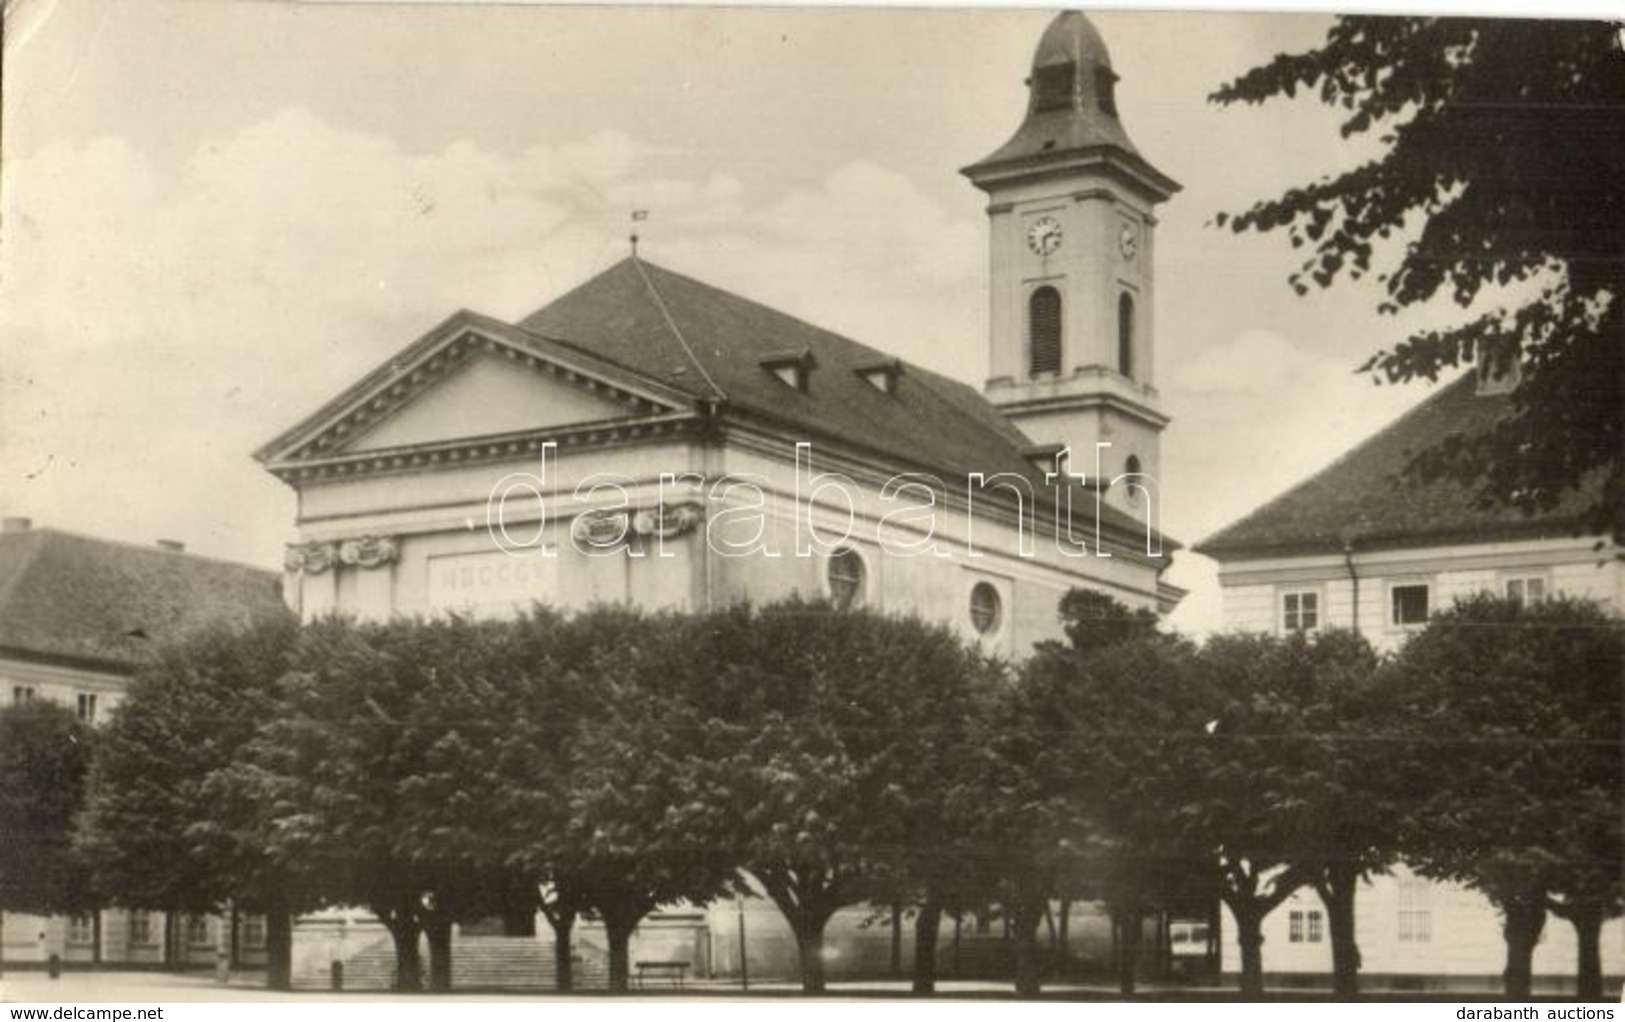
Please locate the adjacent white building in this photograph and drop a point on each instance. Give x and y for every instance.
(1356, 546)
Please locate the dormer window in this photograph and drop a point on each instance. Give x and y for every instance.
(1496, 377)
(1045, 457)
(881, 375)
(793, 368)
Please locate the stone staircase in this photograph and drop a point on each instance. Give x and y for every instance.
(477, 963)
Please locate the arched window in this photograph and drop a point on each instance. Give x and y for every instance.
(1044, 330)
(1125, 334)
(1132, 466)
(846, 576)
(986, 608)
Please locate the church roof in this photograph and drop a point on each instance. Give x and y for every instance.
(65, 596)
(713, 344)
(1367, 498)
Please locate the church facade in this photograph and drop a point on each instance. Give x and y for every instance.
(648, 437)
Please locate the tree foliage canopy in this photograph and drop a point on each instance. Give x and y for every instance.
(45, 761)
(1503, 168)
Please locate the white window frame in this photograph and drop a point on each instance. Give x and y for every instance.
(1294, 926)
(1314, 930)
(197, 931)
(1415, 922)
(147, 939)
(253, 931)
(1506, 580)
(81, 930)
(1281, 595)
(22, 694)
(87, 701)
(1408, 583)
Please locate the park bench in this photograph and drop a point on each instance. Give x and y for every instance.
(671, 972)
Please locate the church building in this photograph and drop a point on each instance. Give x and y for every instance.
(650, 437)
(653, 438)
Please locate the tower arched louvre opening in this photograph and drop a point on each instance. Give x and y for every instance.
(1106, 90)
(1125, 335)
(1044, 330)
(1052, 87)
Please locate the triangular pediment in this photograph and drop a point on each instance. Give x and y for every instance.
(472, 378)
(488, 395)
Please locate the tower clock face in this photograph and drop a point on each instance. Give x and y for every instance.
(1128, 241)
(1044, 236)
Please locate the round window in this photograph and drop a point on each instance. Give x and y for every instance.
(846, 575)
(986, 608)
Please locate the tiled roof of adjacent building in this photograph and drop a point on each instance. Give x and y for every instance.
(70, 597)
(1367, 498)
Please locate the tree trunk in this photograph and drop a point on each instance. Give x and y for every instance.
(810, 949)
(926, 925)
(438, 929)
(1130, 923)
(404, 931)
(1521, 931)
(563, 922)
(278, 945)
(1065, 925)
(896, 939)
(1023, 920)
(1337, 890)
(1588, 968)
(1250, 938)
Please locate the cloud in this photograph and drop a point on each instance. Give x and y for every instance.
(159, 324)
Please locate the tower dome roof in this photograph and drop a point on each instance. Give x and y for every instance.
(1071, 39)
(1071, 106)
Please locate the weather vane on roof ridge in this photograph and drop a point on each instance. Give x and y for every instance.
(638, 216)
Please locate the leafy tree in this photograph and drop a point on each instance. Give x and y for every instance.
(1074, 715)
(1129, 715)
(1348, 800)
(1503, 167)
(45, 755)
(1526, 699)
(1245, 788)
(160, 832)
(829, 714)
(641, 830)
(377, 775)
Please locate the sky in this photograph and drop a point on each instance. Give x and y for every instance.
(215, 216)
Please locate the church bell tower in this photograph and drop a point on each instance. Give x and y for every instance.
(1072, 228)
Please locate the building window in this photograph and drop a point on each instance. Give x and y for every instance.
(1415, 913)
(141, 927)
(1526, 588)
(21, 694)
(1044, 330)
(81, 930)
(1300, 610)
(87, 707)
(986, 608)
(1408, 605)
(846, 576)
(1125, 335)
(1304, 926)
(197, 931)
(1132, 465)
(253, 932)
